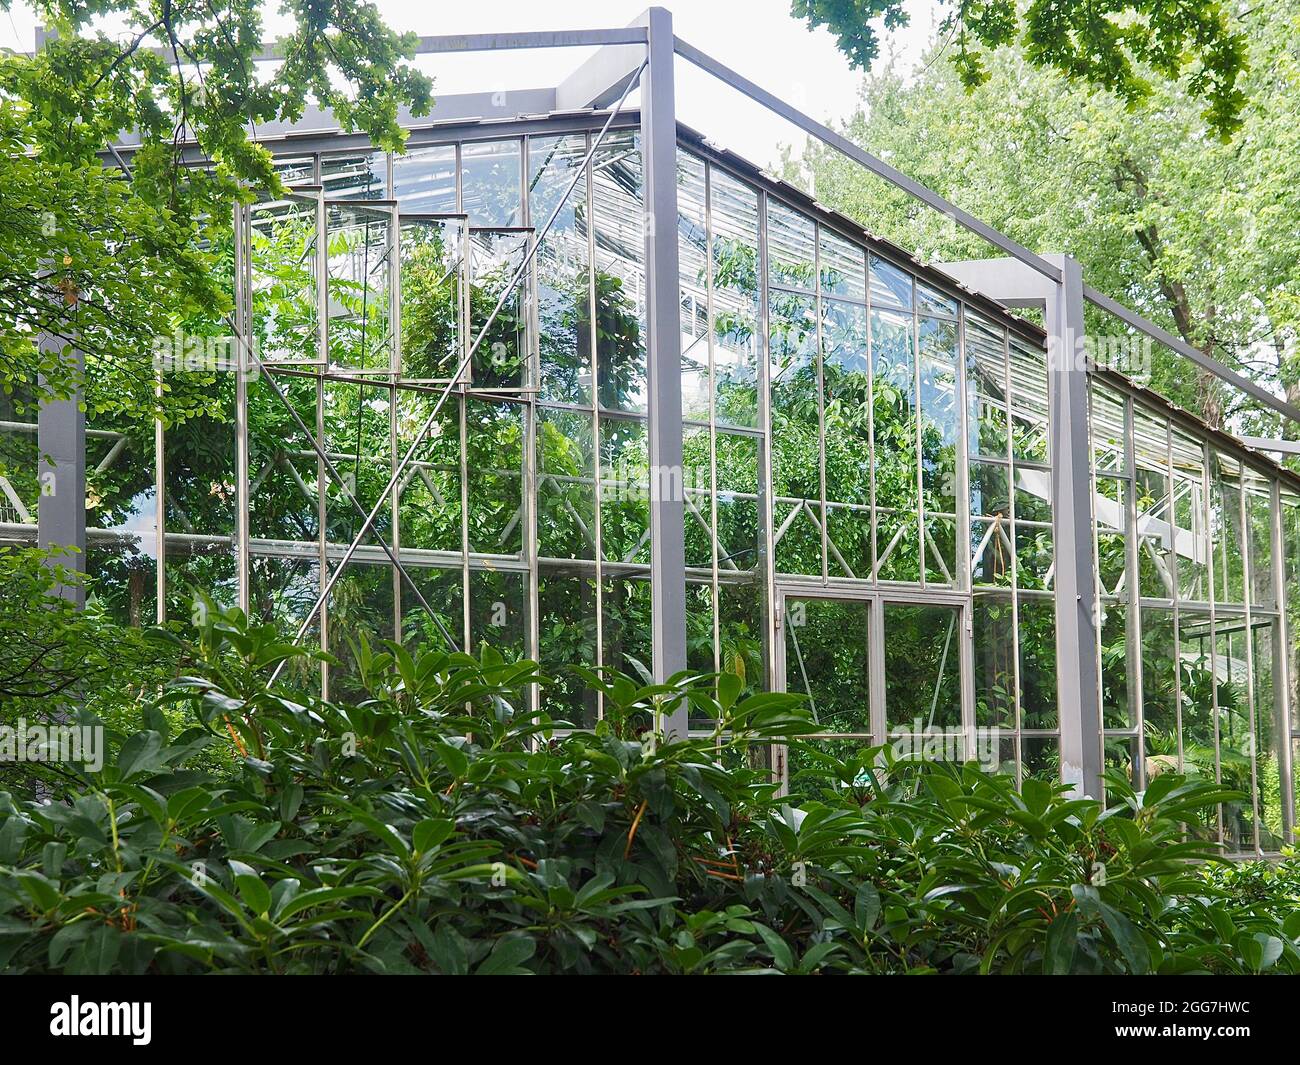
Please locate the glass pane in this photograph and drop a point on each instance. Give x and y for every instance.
(432, 276)
(566, 485)
(1226, 528)
(495, 465)
(894, 440)
(498, 612)
(1028, 402)
(1259, 520)
(738, 531)
(796, 462)
(429, 491)
(890, 285)
(1108, 421)
(826, 660)
(1109, 506)
(424, 180)
(931, 301)
(986, 387)
(994, 644)
(1196, 693)
(1154, 510)
(566, 604)
(358, 426)
(1159, 693)
(563, 275)
(697, 510)
(1236, 738)
(501, 358)
(360, 606)
(490, 177)
(444, 591)
(355, 175)
(625, 604)
(1117, 680)
(843, 266)
(121, 515)
(1037, 620)
(693, 258)
(790, 247)
(1268, 737)
(285, 307)
(922, 666)
(199, 467)
(359, 267)
(282, 466)
(734, 217)
(620, 272)
(1191, 535)
(625, 490)
(1291, 562)
(940, 451)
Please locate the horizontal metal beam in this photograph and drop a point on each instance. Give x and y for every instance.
(459, 42)
(1204, 361)
(1268, 443)
(877, 166)
(495, 42)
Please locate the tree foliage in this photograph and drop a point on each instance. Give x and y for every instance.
(1120, 46)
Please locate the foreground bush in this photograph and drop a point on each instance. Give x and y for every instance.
(436, 828)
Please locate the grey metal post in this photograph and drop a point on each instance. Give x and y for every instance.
(1079, 700)
(61, 443)
(1077, 675)
(664, 361)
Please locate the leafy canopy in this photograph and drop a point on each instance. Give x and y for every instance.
(1114, 45)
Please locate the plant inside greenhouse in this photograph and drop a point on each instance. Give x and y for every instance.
(516, 532)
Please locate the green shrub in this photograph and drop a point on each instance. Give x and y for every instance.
(436, 827)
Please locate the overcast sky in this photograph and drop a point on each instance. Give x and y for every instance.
(755, 37)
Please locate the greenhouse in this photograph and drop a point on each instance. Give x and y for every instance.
(567, 379)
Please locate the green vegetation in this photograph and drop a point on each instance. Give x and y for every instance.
(1121, 46)
(433, 827)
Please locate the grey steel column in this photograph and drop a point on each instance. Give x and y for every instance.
(1078, 691)
(664, 360)
(61, 443)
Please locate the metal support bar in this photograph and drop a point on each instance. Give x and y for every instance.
(664, 365)
(452, 42)
(1204, 361)
(1078, 683)
(61, 443)
(1077, 672)
(1266, 443)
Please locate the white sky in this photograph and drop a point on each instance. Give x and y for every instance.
(757, 38)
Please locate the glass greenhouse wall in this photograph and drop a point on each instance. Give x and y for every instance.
(867, 480)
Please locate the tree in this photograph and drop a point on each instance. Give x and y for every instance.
(104, 260)
(1121, 46)
(1199, 235)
